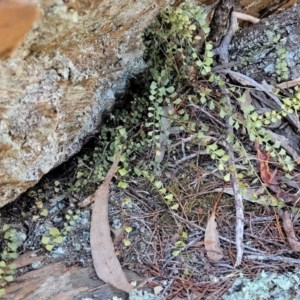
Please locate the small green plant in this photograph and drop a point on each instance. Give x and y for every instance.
(178, 57)
(178, 85)
(281, 67)
(52, 239)
(158, 185)
(127, 202)
(10, 238)
(126, 240)
(42, 212)
(289, 106)
(178, 36)
(180, 244)
(71, 217)
(7, 270)
(9, 252)
(282, 70)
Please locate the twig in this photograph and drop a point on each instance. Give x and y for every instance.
(192, 243)
(266, 241)
(239, 227)
(207, 113)
(226, 66)
(201, 152)
(260, 95)
(225, 266)
(278, 226)
(222, 50)
(207, 138)
(246, 80)
(218, 200)
(261, 219)
(188, 139)
(288, 84)
(182, 149)
(274, 258)
(246, 17)
(166, 288)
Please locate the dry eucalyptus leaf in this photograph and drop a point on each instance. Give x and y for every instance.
(105, 261)
(211, 240)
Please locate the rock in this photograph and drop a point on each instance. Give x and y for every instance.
(55, 88)
(269, 50)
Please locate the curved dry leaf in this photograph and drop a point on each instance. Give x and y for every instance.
(105, 261)
(211, 240)
(266, 175)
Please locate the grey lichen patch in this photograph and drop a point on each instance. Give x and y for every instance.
(66, 69)
(139, 295)
(267, 286)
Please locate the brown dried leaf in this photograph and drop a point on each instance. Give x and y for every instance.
(289, 230)
(211, 240)
(265, 174)
(105, 261)
(269, 178)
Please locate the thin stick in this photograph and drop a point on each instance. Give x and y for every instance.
(245, 17)
(239, 206)
(207, 113)
(288, 84)
(218, 200)
(278, 226)
(201, 152)
(288, 260)
(222, 50)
